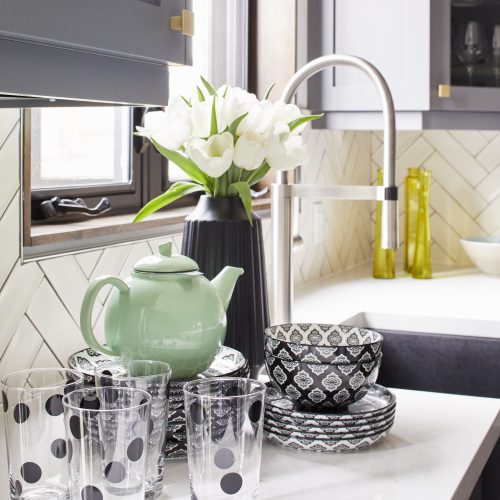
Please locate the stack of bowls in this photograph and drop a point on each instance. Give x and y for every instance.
(324, 396)
(323, 367)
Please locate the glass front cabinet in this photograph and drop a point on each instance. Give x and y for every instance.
(441, 59)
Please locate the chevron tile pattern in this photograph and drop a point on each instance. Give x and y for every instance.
(465, 188)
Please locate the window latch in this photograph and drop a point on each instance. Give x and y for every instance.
(59, 207)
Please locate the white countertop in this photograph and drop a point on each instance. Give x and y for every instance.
(436, 449)
(463, 301)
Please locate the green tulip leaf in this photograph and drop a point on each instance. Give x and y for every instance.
(213, 123)
(176, 191)
(201, 97)
(187, 165)
(303, 119)
(234, 126)
(268, 92)
(258, 174)
(243, 190)
(209, 87)
(186, 101)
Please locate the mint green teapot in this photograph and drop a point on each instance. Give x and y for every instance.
(165, 310)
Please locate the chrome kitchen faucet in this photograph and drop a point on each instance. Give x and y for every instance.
(283, 192)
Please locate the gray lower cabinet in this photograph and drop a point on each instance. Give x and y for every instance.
(103, 50)
(419, 46)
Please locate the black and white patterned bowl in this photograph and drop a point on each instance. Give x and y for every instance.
(322, 386)
(322, 343)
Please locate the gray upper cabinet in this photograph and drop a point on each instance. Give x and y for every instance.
(97, 50)
(418, 45)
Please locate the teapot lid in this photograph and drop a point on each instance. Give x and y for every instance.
(165, 262)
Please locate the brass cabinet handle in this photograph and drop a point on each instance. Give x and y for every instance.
(183, 23)
(444, 90)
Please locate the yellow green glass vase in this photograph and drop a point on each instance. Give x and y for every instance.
(411, 216)
(422, 262)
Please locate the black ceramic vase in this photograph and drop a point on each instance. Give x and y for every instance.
(218, 234)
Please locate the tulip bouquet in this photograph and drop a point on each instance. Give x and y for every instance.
(225, 141)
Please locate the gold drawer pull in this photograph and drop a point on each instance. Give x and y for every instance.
(183, 23)
(444, 90)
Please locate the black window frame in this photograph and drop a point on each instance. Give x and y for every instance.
(149, 178)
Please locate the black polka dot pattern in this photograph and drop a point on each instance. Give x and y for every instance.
(70, 450)
(58, 448)
(135, 449)
(151, 426)
(198, 413)
(224, 458)
(21, 413)
(18, 487)
(255, 411)
(5, 401)
(31, 472)
(77, 427)
(90, 402)
(54, 405)
(91, 493)
(115, 472)
(231, 483)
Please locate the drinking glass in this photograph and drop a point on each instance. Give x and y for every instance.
(224, 419)
(494, 57)
(154, 378)
(471, 46)
(107, 429)
(34, 431)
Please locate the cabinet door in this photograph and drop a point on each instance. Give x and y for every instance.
(394, 35)
(137, 29)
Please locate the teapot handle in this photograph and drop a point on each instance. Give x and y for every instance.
(88, 305)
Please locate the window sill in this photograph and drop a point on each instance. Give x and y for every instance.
(50, 239)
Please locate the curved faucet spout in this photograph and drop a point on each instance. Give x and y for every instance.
(283, 192)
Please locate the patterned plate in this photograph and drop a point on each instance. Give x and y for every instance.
(283, 420)
(335, 446)
(378, 401)
(362, 433)
(227, 362)
(312, 427)
(175, 450)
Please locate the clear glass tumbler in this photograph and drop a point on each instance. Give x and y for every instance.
(107, 429)
(154, 378)
(37, 449)
(224, 418)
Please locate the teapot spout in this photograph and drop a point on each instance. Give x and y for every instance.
(225, 282)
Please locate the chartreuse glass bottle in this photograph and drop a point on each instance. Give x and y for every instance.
(383, 259)
(411, 216)
(422, 263)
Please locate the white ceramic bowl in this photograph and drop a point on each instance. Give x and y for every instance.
(484, 251)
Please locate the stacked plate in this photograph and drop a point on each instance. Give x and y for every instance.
(362, 424)
(227, 363)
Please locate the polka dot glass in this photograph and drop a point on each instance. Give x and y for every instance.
(107, 430)
(224, 420)
(37, 448)
(154, 378)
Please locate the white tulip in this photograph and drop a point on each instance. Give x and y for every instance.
(170, 128)
(250, 151)
(201, 117)
(213, 155)
(260, 119)
(286, 150)
(286, 113)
